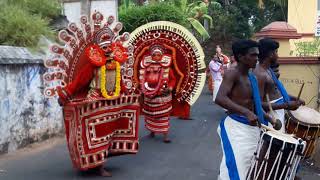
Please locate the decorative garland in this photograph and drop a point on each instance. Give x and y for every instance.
(104, 82)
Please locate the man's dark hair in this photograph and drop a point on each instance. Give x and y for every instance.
(266, 47)
(241, 47)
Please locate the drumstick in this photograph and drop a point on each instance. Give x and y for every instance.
(267, 127)
(277, 123)
(300, 91)
(270, 107)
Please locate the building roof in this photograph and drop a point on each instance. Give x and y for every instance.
(279, 30)
(18, 55)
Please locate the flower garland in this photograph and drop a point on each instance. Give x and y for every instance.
(103, 82)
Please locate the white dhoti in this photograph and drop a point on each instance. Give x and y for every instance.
(239, 142)
(279, 114)
(216, 86)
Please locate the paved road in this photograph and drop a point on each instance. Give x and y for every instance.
(194, 154)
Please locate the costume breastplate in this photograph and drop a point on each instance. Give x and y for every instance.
(154, 75)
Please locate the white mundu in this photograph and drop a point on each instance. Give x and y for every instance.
(239, 142)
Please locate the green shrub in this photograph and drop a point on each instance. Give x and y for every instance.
(136, 16)
(20, 28)
(45, 8)
(48, 9)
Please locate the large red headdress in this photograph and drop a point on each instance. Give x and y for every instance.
(96, 42)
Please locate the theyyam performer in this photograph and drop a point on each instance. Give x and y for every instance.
(92, 75)
(169, 66)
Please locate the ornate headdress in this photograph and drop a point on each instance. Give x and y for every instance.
(156, 48)
(187, 55)
(65, 62)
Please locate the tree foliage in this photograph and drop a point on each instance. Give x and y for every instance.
(22, 22)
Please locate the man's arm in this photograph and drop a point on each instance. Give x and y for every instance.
(224, 101)
(291, 105)
(300, 101)
(268, 88)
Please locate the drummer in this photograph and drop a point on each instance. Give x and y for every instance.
(239, 94)
(269, 83)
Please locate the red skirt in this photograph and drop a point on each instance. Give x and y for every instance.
(96, 130)
(157, 112)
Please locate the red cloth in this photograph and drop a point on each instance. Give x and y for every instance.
(81, 81)
(181, 109)
(94, 131)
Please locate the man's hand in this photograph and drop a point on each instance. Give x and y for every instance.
(252, 118)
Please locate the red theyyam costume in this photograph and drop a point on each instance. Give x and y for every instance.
(169, 65)
(93, 77)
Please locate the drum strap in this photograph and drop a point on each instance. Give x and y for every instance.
(257, 99)
(280, 86)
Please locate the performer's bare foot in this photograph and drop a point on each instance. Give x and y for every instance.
(166, 139)
(152, 134)
(104, 172)
(185, 118)
(297, 178)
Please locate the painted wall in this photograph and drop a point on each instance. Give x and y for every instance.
(293, 75)
(25, 115)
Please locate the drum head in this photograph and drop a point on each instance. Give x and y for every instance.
(283, 137)
(306, 115)
(277, 139)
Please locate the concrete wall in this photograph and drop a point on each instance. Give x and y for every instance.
(72, 8)
(303, 16)
(285, 48)
(25, 115)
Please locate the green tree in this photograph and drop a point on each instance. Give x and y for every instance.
(238, 19)
(134, 17)
(196, 12)
(47, 9)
